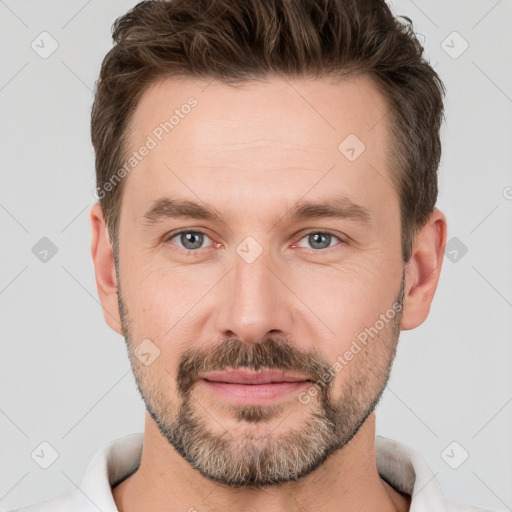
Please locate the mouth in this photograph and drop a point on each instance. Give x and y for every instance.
(253, 387)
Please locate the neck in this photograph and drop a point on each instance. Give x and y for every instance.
(347, 481)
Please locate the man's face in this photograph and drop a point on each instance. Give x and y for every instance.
(269, 283)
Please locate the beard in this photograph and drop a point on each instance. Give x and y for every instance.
(262, 457)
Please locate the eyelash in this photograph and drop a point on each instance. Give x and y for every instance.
(173, 235)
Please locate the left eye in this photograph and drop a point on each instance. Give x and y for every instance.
(319, 240)
(190, 240)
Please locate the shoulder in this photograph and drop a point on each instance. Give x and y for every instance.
(452, 506)
(407, 472)
(73, 500)
(109, 465)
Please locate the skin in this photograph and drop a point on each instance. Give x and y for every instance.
(251, 152)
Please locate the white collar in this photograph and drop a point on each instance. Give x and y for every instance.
(403, 468)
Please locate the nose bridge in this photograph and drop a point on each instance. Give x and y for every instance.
(254, 303)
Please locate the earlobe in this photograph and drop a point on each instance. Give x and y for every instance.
(423, 270)
(104, 268)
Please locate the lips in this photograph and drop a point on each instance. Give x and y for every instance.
(251, 377)
(249, 387)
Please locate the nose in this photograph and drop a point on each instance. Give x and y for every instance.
(255, 302)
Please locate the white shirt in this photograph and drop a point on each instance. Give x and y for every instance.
(401, 467)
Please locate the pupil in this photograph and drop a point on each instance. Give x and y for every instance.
(322, 239)
(191, 240)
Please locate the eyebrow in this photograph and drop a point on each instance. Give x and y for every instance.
(337, 208)
(167, 208)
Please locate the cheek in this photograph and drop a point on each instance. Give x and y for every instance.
(348, 298)
(362, 366)
(162, 303)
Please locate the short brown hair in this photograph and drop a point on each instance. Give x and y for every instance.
(236, 41)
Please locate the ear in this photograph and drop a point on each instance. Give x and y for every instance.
(104, 269)
(423, 270)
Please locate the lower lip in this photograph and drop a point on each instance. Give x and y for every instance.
(255, 393)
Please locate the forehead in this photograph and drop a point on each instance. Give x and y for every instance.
(271, 134)
(313, 108)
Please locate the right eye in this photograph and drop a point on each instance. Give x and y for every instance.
(189, 240)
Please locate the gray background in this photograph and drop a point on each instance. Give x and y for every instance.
(65, 376)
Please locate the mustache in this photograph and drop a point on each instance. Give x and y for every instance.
(271, 353)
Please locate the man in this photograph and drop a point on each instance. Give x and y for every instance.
(266, 227)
